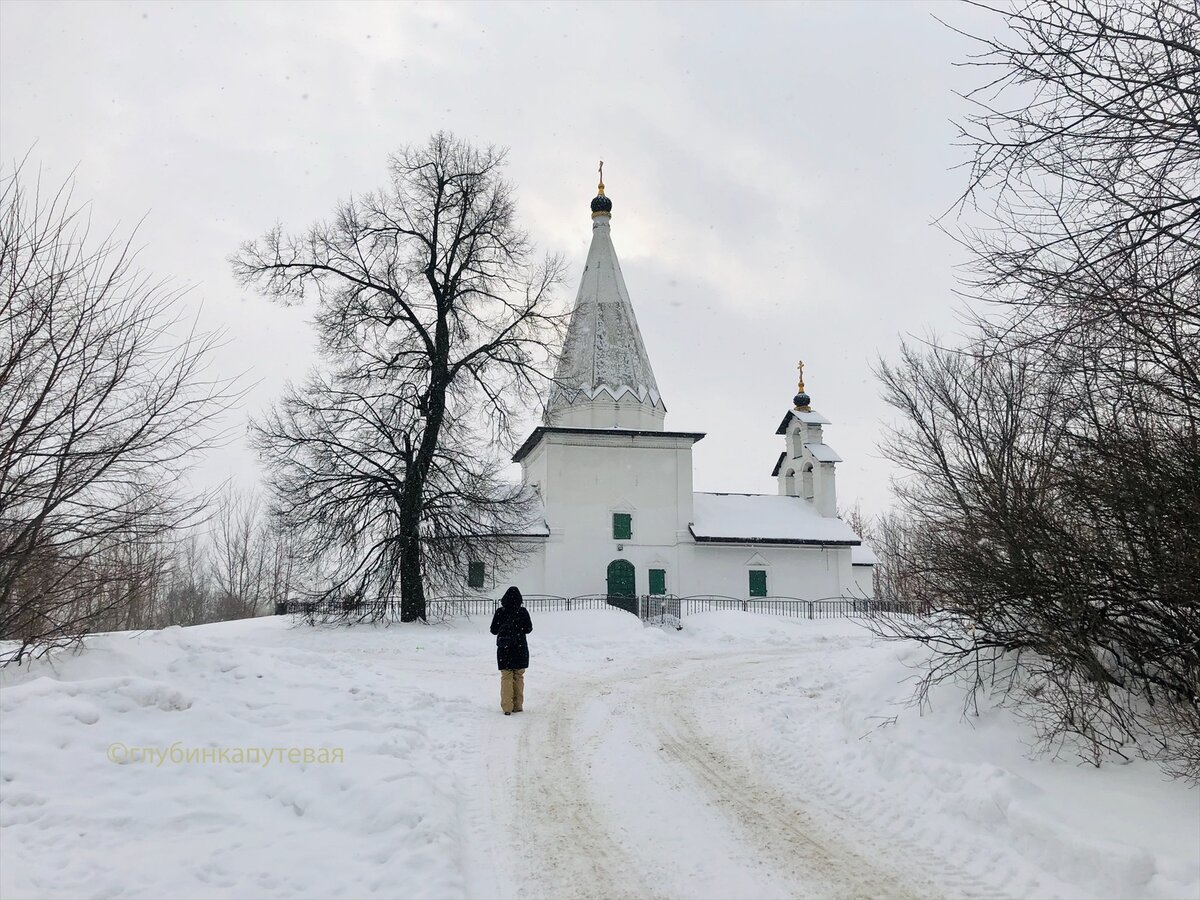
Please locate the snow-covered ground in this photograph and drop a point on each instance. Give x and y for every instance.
(745, 756)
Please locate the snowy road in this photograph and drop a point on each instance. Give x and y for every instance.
(744, 756)
(644, 785)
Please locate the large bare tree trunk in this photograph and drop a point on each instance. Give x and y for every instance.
(439, 329)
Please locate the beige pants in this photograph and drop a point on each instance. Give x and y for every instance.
(512, 690)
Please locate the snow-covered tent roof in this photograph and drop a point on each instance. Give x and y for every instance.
(764, 519)
(603, 357)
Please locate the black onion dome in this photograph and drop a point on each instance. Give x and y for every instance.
(601, 204)
(801, 400)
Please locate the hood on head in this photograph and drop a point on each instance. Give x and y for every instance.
(511, 598)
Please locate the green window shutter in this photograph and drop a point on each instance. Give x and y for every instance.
(622, 526)
(658, 581)
(475, 574)
(758, 582)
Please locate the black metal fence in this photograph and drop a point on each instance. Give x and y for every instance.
(437, 608)
(663, 609)
(797, 607)
(473, 606)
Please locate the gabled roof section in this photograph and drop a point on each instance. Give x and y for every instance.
(779, 463)
(823, 453)
(603, 357)
(812, 418)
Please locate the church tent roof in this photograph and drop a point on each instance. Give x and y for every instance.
(603, 356)
(764, 519)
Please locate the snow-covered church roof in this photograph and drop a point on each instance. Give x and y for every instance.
(863, 555)
(603, 357)
(764, 519)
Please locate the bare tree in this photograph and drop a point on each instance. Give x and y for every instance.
(900, 545)
(253, 559)
(137, 568)
(1085, 135)
(188, 597)
(1053, 461)
(283, 561)
(1047, 567)
(104, 400)
(239, 555)
(436, 326)
(1085, 177)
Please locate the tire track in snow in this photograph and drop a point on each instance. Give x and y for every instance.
(858, 860)
(574, 842)
(797, 845)
(565, 849)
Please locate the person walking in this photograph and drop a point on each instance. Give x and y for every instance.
(510, 624)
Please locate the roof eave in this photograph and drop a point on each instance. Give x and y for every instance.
(541, 431)
(806, 542)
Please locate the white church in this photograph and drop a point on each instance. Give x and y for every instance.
(619, 515)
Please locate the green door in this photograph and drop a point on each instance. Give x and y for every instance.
(658, 581)
(620, 578)
(758, 582)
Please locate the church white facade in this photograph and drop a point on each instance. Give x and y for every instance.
(618, 511)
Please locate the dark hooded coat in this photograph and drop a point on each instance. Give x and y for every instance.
(510, 624)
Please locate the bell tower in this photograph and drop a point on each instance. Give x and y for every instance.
(805, 468)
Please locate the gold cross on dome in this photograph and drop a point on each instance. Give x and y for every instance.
(800, 368)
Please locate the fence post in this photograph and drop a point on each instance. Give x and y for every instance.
(810, 605)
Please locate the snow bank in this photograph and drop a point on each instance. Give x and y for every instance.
(413, 710)
(386, 821)
(967, 788)
(405, 706)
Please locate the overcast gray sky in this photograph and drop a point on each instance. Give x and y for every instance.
(774, 170)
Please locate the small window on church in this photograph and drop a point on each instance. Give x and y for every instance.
(658, 581)
(758, 582)
(622, 526)
(475, 574)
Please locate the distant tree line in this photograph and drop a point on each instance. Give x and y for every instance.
(104, 401)
(1050, 501)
